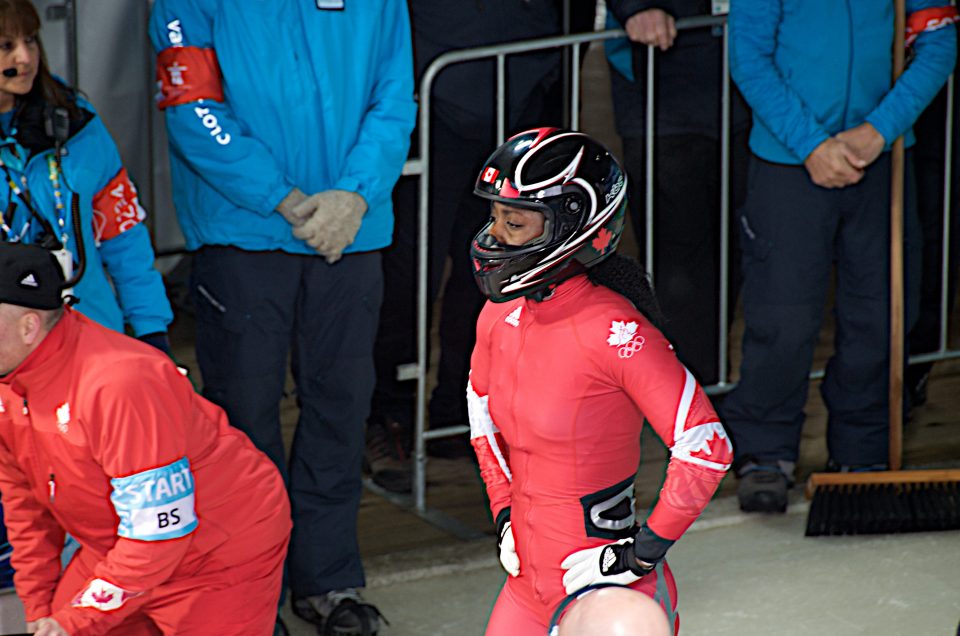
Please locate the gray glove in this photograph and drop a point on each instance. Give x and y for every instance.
(332, 221)
(292, 200)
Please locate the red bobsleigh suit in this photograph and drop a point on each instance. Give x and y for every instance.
(558, 394)
(182, 523)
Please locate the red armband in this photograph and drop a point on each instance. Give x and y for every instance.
(187, 74)
(116, 208)
(929, 20)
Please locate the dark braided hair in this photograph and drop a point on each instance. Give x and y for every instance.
(628, 278)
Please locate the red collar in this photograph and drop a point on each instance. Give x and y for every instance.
(46, 361)
(566, 292)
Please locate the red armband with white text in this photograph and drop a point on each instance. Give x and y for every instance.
(187, 74)
(116, 208)
(929, 20)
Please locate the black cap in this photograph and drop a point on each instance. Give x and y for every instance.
(30, 276)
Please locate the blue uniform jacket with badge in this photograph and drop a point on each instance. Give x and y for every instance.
(813, 68)
(120, 284)
(262, 96)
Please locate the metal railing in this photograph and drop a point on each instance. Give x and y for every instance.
(421, 167)
(571, 43)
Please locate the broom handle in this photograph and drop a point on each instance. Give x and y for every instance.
(896, 260)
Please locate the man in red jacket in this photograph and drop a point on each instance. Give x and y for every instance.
(183, 524)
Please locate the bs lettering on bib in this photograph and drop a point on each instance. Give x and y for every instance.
(156, 504)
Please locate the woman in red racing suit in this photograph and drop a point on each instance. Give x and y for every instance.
(564, 372)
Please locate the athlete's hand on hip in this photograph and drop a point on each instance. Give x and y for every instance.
(333, 219)
(46, 627)
(508, 550)
(613, 563)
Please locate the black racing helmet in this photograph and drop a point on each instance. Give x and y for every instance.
(579, 187)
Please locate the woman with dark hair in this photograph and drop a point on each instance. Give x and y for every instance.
(65, 188)
(568, 365)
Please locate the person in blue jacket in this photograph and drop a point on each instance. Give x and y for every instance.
(289, 122)
(817, 75)
(64, 187)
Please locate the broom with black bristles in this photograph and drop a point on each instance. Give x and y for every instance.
(894, 500)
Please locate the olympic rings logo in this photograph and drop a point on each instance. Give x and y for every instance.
(630, 348)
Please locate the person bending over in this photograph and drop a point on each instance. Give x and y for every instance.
(182, 524)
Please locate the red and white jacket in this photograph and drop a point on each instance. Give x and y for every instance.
(101, 437)
(558, 395)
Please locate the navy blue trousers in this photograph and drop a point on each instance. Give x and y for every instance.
(793, 233)
(253, 308)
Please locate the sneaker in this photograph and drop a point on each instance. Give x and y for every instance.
(834, 467)
(339, 613)
(763, 486)
(398, 479)
(387, 437)
(387, 455)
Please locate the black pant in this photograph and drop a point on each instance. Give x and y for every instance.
(793, 232)
(929, 160)
(687, 237)
(252, 309)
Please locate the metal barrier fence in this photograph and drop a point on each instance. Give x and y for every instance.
(571, 44)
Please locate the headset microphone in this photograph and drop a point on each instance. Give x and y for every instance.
(10, 72)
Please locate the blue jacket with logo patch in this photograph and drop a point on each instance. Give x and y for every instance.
(120, 284)
(262, 96)
(813, 68)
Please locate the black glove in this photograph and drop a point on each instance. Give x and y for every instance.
(158, 340)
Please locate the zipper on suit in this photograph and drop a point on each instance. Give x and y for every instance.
(35, 456)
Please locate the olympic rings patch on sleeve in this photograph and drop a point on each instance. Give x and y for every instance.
(156, 504)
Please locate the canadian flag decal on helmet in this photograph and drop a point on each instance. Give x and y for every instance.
(490, 174)
(578, 187)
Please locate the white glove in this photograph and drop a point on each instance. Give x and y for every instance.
(333, 219)
(46, 626)
(294, 198)
(610, 563)
(508, 551)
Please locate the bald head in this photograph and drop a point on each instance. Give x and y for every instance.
(21, 331)
(615, 611)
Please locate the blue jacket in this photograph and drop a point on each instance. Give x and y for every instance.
(813, 68)
(262, 96)
(120, 284)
